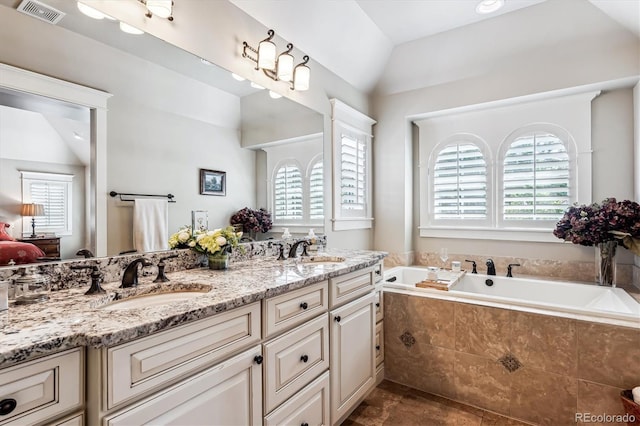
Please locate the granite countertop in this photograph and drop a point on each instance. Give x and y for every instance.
(70, 319)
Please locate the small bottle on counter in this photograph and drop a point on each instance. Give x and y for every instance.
(313, 242)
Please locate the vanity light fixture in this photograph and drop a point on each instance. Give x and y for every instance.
(489, 6)
(278, 67)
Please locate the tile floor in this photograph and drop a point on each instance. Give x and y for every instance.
(391, 404)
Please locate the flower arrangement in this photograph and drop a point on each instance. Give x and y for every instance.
(252, 220)
(611, 220)
(218, 241)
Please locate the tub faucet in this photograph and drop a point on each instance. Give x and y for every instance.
(293, 251)
(130, 276)
(511, 265)
(491, 268)
(474, 266)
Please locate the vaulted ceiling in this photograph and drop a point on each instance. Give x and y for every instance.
(397, 45)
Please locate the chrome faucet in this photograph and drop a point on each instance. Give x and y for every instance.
(130, 276)
(293, 251)
(491, 268)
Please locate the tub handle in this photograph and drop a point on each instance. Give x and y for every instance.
(473, 265)
(509, 269)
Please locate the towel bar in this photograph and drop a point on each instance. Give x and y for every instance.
(114, 193)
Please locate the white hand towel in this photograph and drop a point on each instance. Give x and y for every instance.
(150, 225)
(636, 394)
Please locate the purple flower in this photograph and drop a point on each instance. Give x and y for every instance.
(252, 220)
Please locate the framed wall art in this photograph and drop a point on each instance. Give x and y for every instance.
(213, 182)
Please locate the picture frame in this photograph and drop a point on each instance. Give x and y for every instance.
(199, 220)
(213, 182)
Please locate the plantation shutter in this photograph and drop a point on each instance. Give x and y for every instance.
(353, 173)
(288, 193)
(460, 183)
(536, 178)
(316, 191)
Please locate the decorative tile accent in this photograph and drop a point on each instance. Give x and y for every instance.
(510, 362)
(408, 339)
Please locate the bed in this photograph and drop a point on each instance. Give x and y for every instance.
(20, 253)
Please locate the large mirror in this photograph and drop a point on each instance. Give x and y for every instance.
(171, 115)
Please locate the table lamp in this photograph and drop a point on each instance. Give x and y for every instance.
(32, 210)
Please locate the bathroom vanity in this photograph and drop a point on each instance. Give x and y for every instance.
(269, 343)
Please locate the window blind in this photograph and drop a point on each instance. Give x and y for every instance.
(460, 183)
(536, 178)
(288, 193)
(353, 173)
(53, 195)
(316, 191)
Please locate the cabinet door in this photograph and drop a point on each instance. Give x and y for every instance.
(229, 394)
(352, 354)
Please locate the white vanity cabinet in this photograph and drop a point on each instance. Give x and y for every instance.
(229, 393)
(353, 334)
(39, 391)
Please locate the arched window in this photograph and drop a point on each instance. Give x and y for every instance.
(316, 191)
(536, 177)
(459, 183)
(288, 193)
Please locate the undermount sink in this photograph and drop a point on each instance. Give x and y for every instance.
(154, 299)
(322, 260)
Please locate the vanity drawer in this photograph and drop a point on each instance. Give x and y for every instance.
(43, 389)
(309, 406)
(293, 308)
(348, 287)
(379, 343)
(145, 364)
(76, 419)
(294, 359)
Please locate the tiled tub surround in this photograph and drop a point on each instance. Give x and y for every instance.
(538, 368)
(71, 319)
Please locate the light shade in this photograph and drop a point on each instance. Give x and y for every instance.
(285, 67)
(32, 209)
(267, 55)
(160, 8)
(489, 6)
(301, 77)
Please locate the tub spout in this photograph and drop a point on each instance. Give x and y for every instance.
(491, 268)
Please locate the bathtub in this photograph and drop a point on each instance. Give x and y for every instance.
(570, 300)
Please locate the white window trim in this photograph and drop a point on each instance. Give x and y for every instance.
(582, 164)
(347, 119)
(26, 198)
(282, 163)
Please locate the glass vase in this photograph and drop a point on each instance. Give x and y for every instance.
(218, 261)
(606, 263)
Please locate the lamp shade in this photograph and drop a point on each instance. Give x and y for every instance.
(285, 67)
(301, 76)
(32, 209)
(160, 8)
(267, 55)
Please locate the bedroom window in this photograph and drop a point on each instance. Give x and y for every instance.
(54, 191)
(316, 191)
(351, 139)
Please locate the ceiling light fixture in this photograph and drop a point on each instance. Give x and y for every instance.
(159, 8)
(489, 6)
(129, 29)
(90, 12)
(279, 67)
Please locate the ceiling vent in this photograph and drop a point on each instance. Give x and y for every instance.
(40, 11)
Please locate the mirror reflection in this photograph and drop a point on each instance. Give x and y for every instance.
(171, 114)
